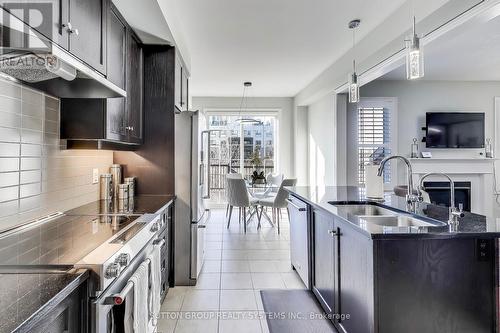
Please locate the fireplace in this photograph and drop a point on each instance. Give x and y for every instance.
(439, 193)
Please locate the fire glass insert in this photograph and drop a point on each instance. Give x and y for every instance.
(439, 193)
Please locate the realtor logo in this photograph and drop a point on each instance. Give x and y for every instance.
(26, 27)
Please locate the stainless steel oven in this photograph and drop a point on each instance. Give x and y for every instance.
(108, 308)
(104, 314)
(113, 263)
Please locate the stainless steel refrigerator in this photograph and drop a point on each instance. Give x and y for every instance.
(191, 216)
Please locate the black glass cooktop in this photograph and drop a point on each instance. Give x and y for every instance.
(62, 241)
(142, 204)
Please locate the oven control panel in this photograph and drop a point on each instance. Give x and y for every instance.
(123, 259)
(112, 271)
(113, 257)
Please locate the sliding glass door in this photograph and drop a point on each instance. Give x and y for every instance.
(240, 145)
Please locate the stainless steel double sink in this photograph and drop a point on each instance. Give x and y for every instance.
(376, 215)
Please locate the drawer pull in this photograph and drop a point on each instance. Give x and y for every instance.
(300, 209)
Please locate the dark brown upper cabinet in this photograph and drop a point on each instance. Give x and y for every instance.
(116, 47)
(181, 86)
(78, 26)
(134, 87)
(116, 120)
(86, 29)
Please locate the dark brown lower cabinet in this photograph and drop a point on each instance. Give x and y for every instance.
(324, 282)
(356, 280)
(435, 285)
(69, 316)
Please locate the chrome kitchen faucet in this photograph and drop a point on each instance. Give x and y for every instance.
(411, 198)
(454, 212)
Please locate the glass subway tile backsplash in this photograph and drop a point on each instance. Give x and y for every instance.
(38, 176)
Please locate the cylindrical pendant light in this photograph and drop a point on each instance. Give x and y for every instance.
(353, 77)
(414, 56)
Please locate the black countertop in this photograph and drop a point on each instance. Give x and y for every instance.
(25, 298)
(63, 240)
(471, 225)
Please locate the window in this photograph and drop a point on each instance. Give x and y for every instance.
(374, 139)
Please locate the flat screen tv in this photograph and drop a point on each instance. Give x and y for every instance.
(455, 130)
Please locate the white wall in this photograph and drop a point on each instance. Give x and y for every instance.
(341, 139)
(418, 97)
(285, 121)
(322, 134)
(300, 145)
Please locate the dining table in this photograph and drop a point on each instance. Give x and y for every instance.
(260, 191)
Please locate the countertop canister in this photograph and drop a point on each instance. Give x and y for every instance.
(374, 182)
(106, 186)
(131, 182)
(116, 172)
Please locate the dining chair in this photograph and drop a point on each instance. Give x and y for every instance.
(239, 197)
(230, 176)
(274, 180)
(277, 202)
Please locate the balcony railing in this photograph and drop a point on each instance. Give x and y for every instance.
(218, 173)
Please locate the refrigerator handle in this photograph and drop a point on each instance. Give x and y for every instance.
(202, 175)
(209, 172)
(207, 181)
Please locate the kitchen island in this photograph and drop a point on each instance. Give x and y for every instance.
(412, 275)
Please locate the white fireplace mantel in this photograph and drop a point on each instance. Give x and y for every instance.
(453, 165)
(478, 171)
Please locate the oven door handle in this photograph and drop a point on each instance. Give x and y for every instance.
(159, 242)
(118, 299)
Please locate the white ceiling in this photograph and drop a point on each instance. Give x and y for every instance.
(279, 45)
(468, 53)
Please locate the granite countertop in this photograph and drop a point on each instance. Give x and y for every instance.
(471, 225)
(27, 297)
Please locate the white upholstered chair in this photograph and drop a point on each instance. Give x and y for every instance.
(238, 197)
(276, 202)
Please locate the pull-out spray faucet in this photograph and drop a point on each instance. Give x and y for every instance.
(454, 212)
(411, 198)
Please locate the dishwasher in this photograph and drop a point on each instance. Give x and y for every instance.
(299, 238)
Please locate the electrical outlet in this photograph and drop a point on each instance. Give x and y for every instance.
(95, 176)
(95, 226)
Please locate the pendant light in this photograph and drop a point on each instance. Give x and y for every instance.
(241, 120)
(353, 77)
(414, 56)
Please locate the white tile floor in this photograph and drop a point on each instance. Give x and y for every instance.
(238, 266)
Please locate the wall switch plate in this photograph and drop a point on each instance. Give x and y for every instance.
(95, 176)
(95, 226)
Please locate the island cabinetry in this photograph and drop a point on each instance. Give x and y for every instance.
(325, 260)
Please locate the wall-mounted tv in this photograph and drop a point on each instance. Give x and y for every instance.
(455, 130)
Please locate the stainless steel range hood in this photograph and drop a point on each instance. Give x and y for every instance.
(29, 57)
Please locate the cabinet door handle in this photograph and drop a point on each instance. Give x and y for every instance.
(300, 209)
(333, 232)
(69, 29)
